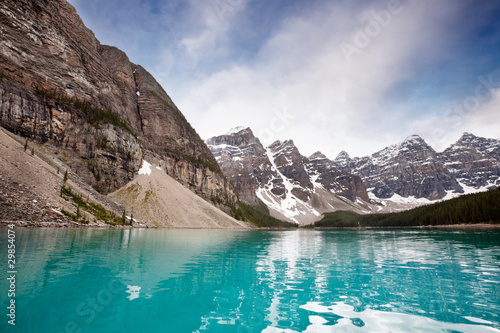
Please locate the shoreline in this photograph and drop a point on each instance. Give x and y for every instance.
(438, 226)
(74, 225)
(464, 226)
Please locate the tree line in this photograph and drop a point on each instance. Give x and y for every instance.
(475, 208)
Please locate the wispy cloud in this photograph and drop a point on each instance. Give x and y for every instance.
(339, 104)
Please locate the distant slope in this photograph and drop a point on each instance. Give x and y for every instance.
(156, 199)
(468, 209)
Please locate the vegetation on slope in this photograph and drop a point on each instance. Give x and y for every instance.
(98, 211)
(468, 209)
(94, 115)
(258, 216)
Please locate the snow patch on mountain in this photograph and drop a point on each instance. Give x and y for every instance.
(290, 206)
(411, 200)
(467, 190)
(236, 130)
(145, 169)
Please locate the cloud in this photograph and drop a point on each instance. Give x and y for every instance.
(486, 119)
(211, 21)
(337, 104)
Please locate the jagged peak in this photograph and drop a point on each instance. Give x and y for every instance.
(466, 136)
(469, 140)
(276, 143)
(286, 147)
(282, 144)
(237, 136)
(318, 156)
(343, 155)
(238, 130)
(411, 143)
(414, 139)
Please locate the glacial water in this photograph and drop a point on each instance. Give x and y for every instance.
(88, 280)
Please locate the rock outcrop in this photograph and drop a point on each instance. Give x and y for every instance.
(344, 184)
(244, 161)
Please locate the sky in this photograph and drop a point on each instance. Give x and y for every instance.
(333, 75)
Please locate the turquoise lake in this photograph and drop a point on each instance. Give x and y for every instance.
(90, 280)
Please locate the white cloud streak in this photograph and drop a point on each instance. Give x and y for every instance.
(337, 104)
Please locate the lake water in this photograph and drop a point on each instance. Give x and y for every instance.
(88, 280)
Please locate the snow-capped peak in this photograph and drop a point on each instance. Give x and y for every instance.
(318, 156)
(236, 130)
(343, 155)
(414, 139)
(467, 135)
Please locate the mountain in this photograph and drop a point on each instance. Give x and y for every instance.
(294, 187)
(474, 161)
(244, 161)
(102, 114)
(398, 177)
(411, 168)
(414, 172)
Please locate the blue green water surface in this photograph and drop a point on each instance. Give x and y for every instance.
(88, 280)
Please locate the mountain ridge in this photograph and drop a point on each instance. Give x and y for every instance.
(294, 187)
(401, 176)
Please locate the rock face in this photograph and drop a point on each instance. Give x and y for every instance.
(474, 161)
(328, 175)
(60, 86)
(294, 187)
(413, 169)
(244, 161)
(410, 168)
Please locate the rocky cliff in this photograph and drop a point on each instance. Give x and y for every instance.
(244, 161)
(61, 87)
(331, 178)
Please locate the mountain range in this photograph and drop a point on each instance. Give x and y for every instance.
(398, 177)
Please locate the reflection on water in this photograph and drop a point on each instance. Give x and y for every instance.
(134, 291)
(257, 281)
(370, 320)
